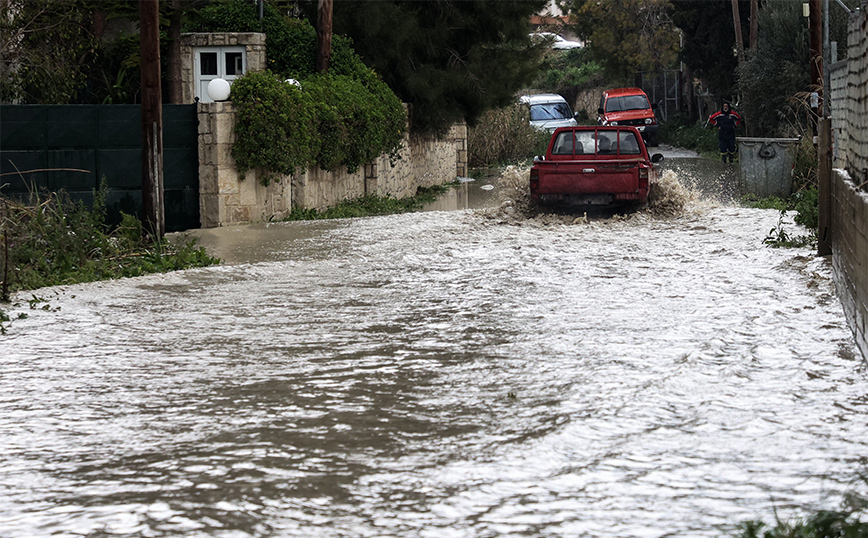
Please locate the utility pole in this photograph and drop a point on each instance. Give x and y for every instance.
(174, 60)
(323, 36)
(152, 119)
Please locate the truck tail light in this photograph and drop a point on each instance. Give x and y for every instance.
(534, 183)
(643, 177)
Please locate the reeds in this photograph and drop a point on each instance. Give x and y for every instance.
(504, 136)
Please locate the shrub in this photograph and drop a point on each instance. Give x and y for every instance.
(347, 117)
(807, 206)
(568, 73)
(697, 137)
(55, 240)
(329, 121)
(275, 127)
(356, 122)
(504, 136)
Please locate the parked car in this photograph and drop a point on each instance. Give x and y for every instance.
(629, 106)
(590, 165)
(548, 111)
(557, 42)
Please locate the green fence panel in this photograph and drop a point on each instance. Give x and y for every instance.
(75, 147)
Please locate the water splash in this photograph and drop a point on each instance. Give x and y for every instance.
(671, 196)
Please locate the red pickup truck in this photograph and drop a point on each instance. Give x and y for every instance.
(588, 165)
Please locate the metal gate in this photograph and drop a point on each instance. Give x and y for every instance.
(664, 89)
(74, 147)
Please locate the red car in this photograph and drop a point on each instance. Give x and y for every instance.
(589, 165)
(629, 106)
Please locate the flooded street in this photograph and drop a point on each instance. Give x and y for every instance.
(464, 373)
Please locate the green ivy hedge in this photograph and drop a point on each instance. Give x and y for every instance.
(346, 118)
(330, 121)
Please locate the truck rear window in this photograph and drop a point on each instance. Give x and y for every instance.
(599, 142)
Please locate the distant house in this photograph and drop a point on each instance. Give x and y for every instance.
(552, 20)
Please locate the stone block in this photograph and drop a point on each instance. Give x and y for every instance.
(208, 183)
(209, 211)
(247, 190)
(227, 181)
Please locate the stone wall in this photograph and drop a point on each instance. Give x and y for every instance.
(421, 162)
(226, 198)
(848, 192)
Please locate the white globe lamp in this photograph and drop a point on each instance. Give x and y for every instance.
(218, 89)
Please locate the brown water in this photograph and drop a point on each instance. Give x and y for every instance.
(463, 373)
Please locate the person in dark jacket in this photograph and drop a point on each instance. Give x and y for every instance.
(726, 120)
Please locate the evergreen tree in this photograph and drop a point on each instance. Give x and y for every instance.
(779, 70)
(708, 46)
(451, 60)
(626, 36)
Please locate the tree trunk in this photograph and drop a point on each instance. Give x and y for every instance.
(323, 36)
(739, 41)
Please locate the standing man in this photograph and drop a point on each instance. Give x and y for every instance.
(726, 120)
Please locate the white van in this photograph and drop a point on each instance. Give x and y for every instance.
(548, 111)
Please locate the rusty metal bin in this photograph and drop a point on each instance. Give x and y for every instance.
(766, 166)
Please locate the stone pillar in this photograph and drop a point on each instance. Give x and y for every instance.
(253, 43)
(225, 197)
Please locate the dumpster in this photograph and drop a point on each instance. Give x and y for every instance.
(766, 166)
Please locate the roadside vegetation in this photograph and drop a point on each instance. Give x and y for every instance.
(53, 240)
(505, 136)
(371, 205)
(843, 523)
(699, 137)
(344, 118)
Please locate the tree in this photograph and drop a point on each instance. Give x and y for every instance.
(83, 51)
(708, 46)
(45, 47)
(451, 60)
(777, 71)
(627, 36)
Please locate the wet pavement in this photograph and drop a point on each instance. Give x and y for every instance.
(469, 372)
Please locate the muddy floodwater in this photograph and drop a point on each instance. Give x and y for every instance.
(465, 372)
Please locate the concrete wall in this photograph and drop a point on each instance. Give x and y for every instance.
(849, 228)
(849, 182)
(226, 198)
